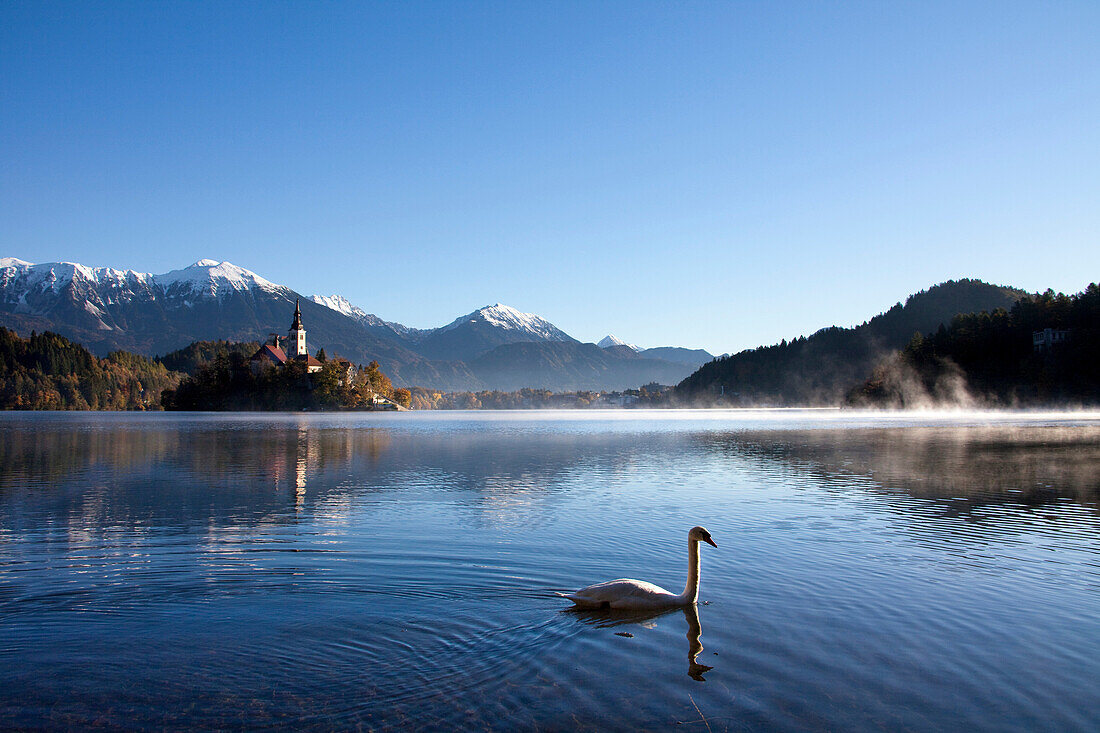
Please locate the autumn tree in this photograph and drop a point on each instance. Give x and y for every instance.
(402, 397)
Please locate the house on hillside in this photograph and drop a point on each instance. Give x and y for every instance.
(378, 402)
(1046, 339)
(344, 369)
(271, 355)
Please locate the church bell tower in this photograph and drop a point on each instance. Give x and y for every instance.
(297, 335)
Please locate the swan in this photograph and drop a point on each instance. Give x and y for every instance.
(639, 595)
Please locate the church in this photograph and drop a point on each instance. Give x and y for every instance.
(272, 355)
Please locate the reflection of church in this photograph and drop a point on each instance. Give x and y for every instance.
(272, 355)
(296, 457)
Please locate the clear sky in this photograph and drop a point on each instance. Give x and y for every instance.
(715, 175)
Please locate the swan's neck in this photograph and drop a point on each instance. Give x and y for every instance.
(691, 589)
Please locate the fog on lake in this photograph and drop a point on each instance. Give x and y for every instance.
(874, 570)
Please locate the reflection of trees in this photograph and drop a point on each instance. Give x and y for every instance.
(986, 464)
(234, 472)
(279, 455)
(35, 456)
(179, 472)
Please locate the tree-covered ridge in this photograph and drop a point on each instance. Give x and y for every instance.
(49, 372)
(990, 358)
(820, 369)
(191, 357)
(228, 382)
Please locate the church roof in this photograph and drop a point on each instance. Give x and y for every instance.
(309, 360)
(274, 353)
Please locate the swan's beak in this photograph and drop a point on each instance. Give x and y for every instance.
(709, 541)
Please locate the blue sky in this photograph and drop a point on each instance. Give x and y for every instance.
(715, 175)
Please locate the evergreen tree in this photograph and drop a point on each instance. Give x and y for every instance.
(994, 353)
(48, 372)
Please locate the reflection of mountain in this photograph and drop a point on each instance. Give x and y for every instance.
(987, 465)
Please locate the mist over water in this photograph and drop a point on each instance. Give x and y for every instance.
(927, 571)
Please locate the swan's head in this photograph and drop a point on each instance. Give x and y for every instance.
(700, 534)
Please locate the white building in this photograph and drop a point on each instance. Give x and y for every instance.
(1044, 340)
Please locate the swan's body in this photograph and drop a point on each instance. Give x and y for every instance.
(627, 594)
(638, 595)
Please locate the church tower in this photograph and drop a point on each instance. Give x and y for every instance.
(296, 338)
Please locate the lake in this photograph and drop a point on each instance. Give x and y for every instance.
(396, 571)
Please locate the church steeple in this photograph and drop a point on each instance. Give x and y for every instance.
(297, 334)
(297, 323)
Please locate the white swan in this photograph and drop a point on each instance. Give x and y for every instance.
(640, 595)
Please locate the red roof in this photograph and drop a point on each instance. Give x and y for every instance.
(309, 360)
(272, 353)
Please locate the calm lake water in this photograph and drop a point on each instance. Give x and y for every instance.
(391, 571)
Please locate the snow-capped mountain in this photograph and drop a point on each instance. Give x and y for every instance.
(612, 340)
(32, 289)
(486, 328)
(495, 347)
(509, 319)
(340, 304)
(107, 309)
(35, 288)
(463, 338)
(210, 278)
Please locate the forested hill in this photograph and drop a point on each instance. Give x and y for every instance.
(197, 353)
(820, 369)
(991, 359)
(49, 372)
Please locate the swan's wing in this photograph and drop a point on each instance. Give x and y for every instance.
(616, 591)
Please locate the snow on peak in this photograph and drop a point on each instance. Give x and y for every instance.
(340, 304)
(56, 275)
(613, 340)
(205, 276)
(217, 278)
(509, 319)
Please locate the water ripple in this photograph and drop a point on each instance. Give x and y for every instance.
(343, 571)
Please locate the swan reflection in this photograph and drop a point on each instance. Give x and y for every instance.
(605, 619)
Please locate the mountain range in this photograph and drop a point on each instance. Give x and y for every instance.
(494, 347)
